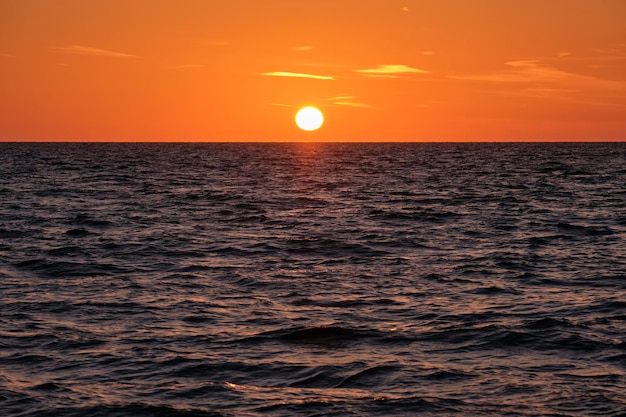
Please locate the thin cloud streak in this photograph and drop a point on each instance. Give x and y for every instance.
(340, 98)
(86, 50)
(297, 75)
(390, 71)
(349, 101)
(354, 104)
(301, 48)
(531, 71)
(282, 105)
(537, 80)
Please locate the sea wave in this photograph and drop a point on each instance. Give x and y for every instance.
(312, 279)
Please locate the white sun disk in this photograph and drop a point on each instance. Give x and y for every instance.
(309, 118)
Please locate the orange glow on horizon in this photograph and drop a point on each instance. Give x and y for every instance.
(237, 70)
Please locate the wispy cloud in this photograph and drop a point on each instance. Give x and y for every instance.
(390, 71)
(6, 56)
(535, 79)
(520, 72)
(611, 55)
(283, 105)
(340, 98)
(86, 50)
(297, 75)
(614, 49)
(350, 101)
(533, 71)
(591, 60)
(355, 104)
(301, 48)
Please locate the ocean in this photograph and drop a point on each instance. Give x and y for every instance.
(312, 279)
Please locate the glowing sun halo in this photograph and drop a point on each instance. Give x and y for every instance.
(309, 118)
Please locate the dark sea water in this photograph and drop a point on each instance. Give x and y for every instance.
(312, 280)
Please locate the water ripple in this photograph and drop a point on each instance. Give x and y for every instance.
(312, 279)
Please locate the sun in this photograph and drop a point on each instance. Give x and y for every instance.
(309, 118)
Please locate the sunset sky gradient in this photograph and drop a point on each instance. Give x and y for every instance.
(380, 70)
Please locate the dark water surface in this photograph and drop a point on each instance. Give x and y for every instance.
(312, 279)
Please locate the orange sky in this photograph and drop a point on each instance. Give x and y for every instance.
(380, 70)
